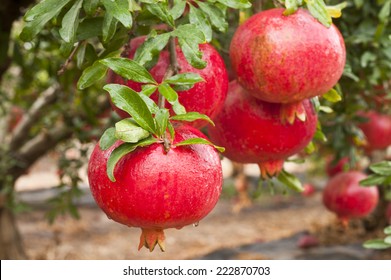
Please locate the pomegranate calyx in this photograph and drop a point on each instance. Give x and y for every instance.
(150, 237)
(290, 111)
(270, 168)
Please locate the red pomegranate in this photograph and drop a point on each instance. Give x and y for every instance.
(205, 97)
(377, 130)
(344, 196)
(155, 190)
(309, 190)
(333, 168)
(284, 59)
(252, 131)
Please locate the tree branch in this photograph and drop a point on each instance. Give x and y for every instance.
(21, 131)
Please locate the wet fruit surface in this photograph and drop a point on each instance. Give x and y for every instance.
(155, 190)
(284, 59)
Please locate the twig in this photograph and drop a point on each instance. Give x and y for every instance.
(69, 59)
(22, 130)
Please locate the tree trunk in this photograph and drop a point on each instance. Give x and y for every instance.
(11, 247)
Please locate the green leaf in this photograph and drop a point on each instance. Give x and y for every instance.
(129, 131)
(310, 148)
(167, 91)
(319, 11)
(236, 4)
(193, 141)
(120, 10)
(178, 108)
(382, 168)
(161, 118)
(161, 11)
(325, 109)
(192, 116)
(130, 101)
(39, 15)
(129, 69)
(90, 6)
(384, 14)
(148, 90)
(108, 139)
(109, 26)
(387, 230)
(91, 74)
(372, 180)
(189, 38)
(184, 79)
(153, 108)
(376, 244)
(80, 56)
(70, 22)
(123, 150)
(388, 240)
(291, 7)
(89, 28)
(198, 18)
(171, 130)
(151, 48)
(290, 181)
(178, 9)
(215, 15)
(332, 95)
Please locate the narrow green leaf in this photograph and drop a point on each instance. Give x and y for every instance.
(387, 230)
(197, 17)
(215, 15)
(291, 7)
(384, 14)
(290, 181)
(189, 38)
(185, 79)
(237, 4)
(80, 56)
(332, 95)
(120, 10)
(382, 168)
(178, 108)
(116, 155)
(171, 130)
(70, 22)
(161, 118)
(160, 10)
(193, 141)
(192, 116)
(39, 15)
(178, 9)
(151, 48)
(90, 6)
(109, 26)
(153, 108)
(319, 11)
(167, 91)
(130, 101)
(148, 90)
(123, 150)
(89, 28)
(325, 109)
(310, 148)
(378, 244)
(107, 139)
(92, 74)
(129, 69)
(129, 131)
(388, 240)
(372, 180)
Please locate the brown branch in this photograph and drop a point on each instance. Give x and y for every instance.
(69, 59)
(22, 130)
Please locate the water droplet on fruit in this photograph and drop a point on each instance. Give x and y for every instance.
(196, 224)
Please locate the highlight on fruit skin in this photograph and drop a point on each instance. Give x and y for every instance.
(344, 196)
(154, 189)
(252, 131)
(377, 130)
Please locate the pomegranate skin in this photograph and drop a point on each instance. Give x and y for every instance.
(155, 190)
(377, 130)
(344, 196)
(252, 131)
(205, 97)
(284, 59)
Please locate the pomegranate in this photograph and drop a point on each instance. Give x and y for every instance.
(155, 190)
(333, 168)
(252, 131)
(205, 97)
(344, 196)
(285, 59)
(309, 190)
(377, 130)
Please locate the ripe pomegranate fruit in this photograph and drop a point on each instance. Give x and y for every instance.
(344, 196)
(205, 97)
(333, 168)
(284, 59)
(309, 190)
(252, 131)
(155, 190)
(377, 130)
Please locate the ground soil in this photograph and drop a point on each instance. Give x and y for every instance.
(94, 236)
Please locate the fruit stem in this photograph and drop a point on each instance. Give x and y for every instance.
(150, 237)
(270, 168)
